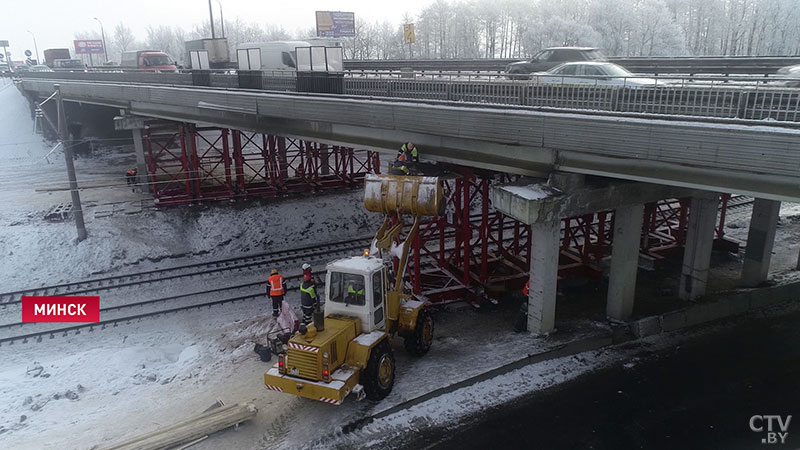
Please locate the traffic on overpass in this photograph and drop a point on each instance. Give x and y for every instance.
(395, 223)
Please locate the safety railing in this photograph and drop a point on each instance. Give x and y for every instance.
(752, 98)
(749, 98)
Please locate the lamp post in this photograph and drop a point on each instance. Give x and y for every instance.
(221, 18)
(103, 34)
(211, 14)
(35, 47)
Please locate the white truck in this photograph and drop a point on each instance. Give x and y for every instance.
(278, 55)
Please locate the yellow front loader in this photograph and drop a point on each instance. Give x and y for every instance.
(348, 350)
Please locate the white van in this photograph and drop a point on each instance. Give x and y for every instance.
(278, 55)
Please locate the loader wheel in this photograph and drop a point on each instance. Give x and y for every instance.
(378, 377)
(419, 341)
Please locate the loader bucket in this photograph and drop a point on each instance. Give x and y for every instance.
(416, 196)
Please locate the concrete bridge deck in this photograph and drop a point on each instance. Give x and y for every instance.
(758, 160)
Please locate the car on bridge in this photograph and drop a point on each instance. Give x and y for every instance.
(791, 72)
(592, 73)
(551, 57)
(40, 68)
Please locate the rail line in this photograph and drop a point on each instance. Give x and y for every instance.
(735, 202)
(282, 257)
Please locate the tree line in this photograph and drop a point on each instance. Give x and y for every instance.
(519, 28)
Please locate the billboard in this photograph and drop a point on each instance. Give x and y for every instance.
(336, 24)
(88, 47)
(408, 33)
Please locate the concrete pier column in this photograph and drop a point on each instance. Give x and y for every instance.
(624, 261)
(760, 240)
(699, 243)
(141, 161)
(545, 241)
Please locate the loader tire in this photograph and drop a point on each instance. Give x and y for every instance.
(419, 341)
(378, 377)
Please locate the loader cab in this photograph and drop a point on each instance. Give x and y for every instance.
(355, 287)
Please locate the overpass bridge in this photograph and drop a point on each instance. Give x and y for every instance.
(593, 162)
(761, 160)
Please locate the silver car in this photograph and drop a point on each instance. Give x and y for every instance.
(592, 73)
(789, 72)
(40, 68)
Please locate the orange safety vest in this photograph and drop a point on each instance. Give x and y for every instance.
(526, 288)
(131, 172)
(275, 285)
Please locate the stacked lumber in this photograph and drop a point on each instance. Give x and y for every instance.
(191, 430)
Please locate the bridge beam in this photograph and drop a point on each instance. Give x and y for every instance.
(760, 240)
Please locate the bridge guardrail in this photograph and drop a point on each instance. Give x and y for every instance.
(718, 97)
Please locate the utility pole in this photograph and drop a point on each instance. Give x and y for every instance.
(73, 182)
(221, 18)
(211, 14)
(35, 47)
(103, 34)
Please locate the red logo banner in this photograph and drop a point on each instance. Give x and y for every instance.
(60, 309)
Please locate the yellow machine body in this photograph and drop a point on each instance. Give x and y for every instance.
(341, 348)
(344, 346)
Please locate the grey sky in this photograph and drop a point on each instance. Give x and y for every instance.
(54, 22)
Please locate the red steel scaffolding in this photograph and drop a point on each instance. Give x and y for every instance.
(196, 164)
(473, 252)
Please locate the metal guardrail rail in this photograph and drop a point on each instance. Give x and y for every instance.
(756, 65)
(743, 98)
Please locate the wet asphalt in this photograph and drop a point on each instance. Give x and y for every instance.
(699, 395)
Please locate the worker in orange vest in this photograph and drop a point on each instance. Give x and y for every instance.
(130, 177)
(276, 289)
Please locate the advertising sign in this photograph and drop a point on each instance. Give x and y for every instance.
(336, 24)
(88, 47)
(408, 33)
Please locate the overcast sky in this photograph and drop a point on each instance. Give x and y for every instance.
(54, 22)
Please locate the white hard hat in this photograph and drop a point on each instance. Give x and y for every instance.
(306, 266)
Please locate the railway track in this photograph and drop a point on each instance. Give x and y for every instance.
(250, 262)
(21, 332)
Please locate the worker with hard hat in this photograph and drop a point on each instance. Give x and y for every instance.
(276, 289)
(308, 298)
(409, 152)
(307, 272)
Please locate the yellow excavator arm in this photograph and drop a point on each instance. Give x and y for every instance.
(397, 196)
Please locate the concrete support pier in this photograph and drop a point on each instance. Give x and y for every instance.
(141, 162)
(760, 240)
(699, 243)
(542, 204)
(624, 261)
(545, 242)
(136, 125)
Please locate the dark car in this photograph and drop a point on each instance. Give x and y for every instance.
(553, 56)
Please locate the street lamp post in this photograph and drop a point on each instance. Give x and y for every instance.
(211, 15)
(35, 47)
(221, 18)
(103, 34)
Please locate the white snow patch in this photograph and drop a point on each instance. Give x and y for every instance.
(369, 339)
(532, 191)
